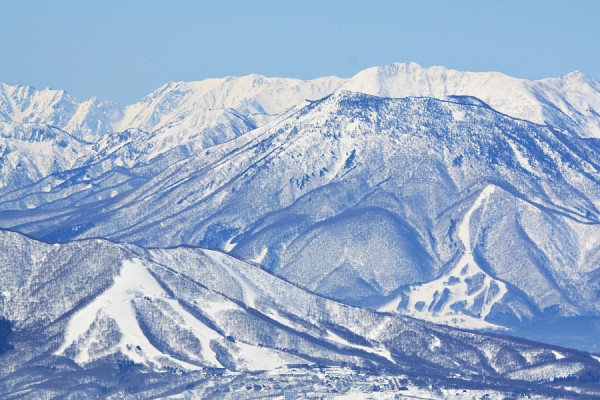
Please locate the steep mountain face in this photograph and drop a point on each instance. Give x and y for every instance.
(443, 208)
(86, 307)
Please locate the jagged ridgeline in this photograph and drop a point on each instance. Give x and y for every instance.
(466, 199)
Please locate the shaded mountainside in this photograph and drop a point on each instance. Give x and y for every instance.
(372, 201)
(85, 312)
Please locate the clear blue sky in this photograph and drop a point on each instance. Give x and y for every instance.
(121, 50)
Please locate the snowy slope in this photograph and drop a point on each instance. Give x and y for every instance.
(171, 311)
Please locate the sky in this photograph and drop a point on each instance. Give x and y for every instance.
(121, 50)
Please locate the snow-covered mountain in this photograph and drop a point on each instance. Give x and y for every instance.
(471, 199)
(253, 96)
(85, 120)
(570, 102)
(191, 116)
(360, 198)
(81, 310)
(180, 117)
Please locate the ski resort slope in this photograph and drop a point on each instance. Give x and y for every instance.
(465, 295)
(169, 313)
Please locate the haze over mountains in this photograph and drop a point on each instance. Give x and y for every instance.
(467, 199)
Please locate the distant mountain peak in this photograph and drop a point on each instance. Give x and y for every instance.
(575, 96)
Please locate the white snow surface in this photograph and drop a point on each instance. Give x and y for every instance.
(558, 355)
(249, 291)
(136, 282)
(521, 159)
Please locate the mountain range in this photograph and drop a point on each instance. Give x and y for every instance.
(464, 199)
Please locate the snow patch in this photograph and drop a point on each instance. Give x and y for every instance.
(391, 306)
(260, 257)
(381, 351)
(522, 160)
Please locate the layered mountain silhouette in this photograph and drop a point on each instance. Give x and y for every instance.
(466, 199)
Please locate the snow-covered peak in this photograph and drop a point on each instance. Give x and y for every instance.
(84, 119)
(248, 95)
(26, 104)
(577, 76)
(572, 100)
(411, 79)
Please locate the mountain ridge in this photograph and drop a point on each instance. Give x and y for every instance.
(244, 93)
